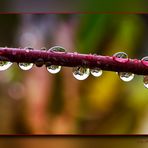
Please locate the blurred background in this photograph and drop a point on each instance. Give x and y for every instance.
(37, 102)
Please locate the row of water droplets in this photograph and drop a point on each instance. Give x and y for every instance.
(79, 72)
(24, 66)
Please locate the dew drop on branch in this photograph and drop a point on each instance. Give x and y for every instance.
(57, 49)
(55, 68)
(4, 65)
(122, 57)
(25, 66)
(144, 61)
(126, 76)
(96, 72)
(28, 49)
(81, 73)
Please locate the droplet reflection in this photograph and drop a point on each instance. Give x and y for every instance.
(81, 73)
(4, 65)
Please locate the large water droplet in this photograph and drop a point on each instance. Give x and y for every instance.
(144, 61)
(53, 69)
(145, 81)
(57, 49)
(121, 57)
(81, 73)
(126, 76)
(25, 66)
(4, 65)
(96, 72)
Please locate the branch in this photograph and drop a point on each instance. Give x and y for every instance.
(40, 57)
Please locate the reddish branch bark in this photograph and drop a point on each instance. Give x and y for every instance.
(40, 57)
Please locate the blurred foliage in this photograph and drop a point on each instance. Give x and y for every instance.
(103, 105)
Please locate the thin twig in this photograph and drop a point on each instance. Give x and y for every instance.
(40, 57)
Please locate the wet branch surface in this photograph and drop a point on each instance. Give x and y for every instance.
(68, 59)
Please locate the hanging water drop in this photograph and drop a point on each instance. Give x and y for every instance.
(126, 76)
(145, 81)
(81, 73)
(121, 57)
(144, 61)
(4, 65)
(53, 69)
(96, 72)
(25, 66)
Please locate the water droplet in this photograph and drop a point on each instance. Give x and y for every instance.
(57, 49)
(121, 57)
(4, 65)
(29, 48)
(25, 66)
(39, 62)
(96, 72)
(145, 81)
(81, 73)
(144, 61)
(43, 48)
(126, 76)
(53, 69)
